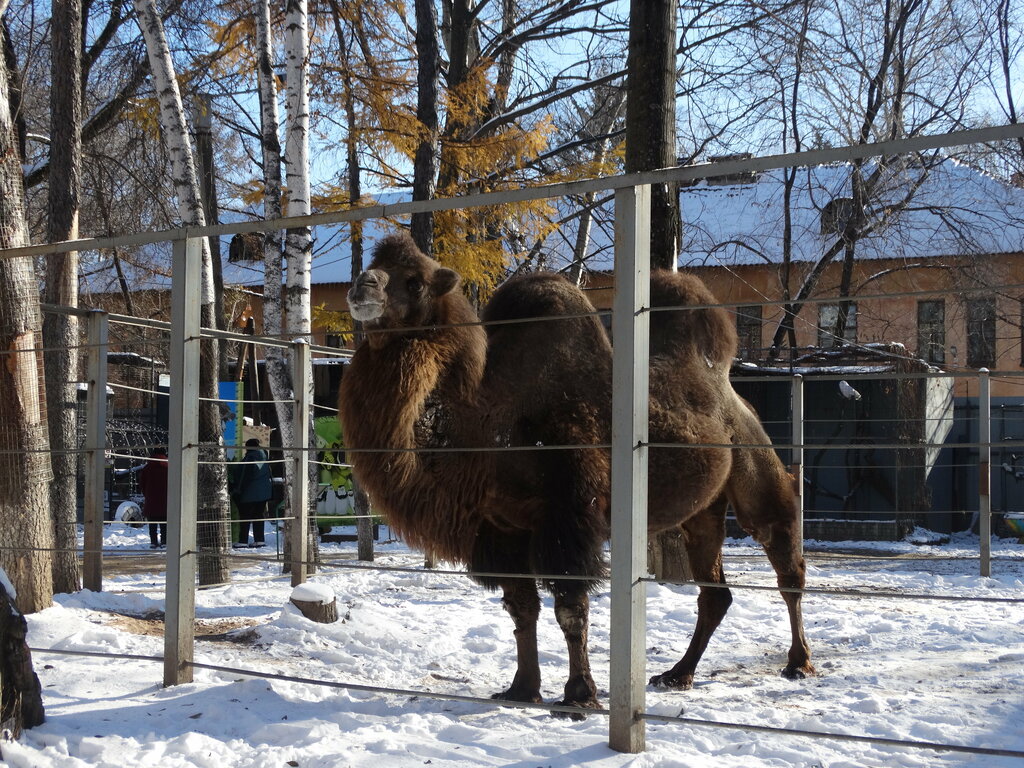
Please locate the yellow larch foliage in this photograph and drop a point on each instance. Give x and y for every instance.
(234, 45)
(474, 242)
(334, 321)
(145, 113)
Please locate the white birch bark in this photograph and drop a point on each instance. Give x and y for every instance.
(278, 364)
(299, 241)
(213, 502)
(278, 372)
(174, 129)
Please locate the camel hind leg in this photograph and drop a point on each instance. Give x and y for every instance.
(782, 548)
(704, 535)
(766, 506)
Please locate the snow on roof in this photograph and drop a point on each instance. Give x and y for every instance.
(943, 211)
(953, 211)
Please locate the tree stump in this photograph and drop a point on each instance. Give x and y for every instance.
(667, 558)
(21, 695)
(316, 602)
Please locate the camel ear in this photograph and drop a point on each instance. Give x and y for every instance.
(445, 281)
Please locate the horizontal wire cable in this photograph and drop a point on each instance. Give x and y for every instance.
(555, 708)
(128, 387)
(831, 735)
(874, 594)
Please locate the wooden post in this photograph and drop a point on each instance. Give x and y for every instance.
(797, 455)
(96, 441)
(985, 470)
(630, 328)
(183, 455)
(364, 523)
(298, 526)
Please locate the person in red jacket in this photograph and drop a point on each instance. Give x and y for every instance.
(153, 479)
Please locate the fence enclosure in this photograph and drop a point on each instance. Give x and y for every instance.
(629, 448)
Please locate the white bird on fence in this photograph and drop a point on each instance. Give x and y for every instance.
(848, 392)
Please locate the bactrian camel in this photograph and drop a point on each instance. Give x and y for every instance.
(430, 394)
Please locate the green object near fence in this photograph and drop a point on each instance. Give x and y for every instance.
(331, 447)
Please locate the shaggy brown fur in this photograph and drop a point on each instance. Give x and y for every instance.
(426, 377)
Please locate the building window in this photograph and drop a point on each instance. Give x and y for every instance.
(828, 314)
(334, 340)
(931, 331)
(981, 333)
(748, 329)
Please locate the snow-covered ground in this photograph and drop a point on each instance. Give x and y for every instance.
(910, 669)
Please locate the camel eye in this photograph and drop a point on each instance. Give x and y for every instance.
(414, 286)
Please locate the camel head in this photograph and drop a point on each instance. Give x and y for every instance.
(401, 288)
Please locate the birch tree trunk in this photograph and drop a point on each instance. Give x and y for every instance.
(26, 531)
(298, 247)
(278, 370)
(60, 331)
(602, 123)
(214, 510)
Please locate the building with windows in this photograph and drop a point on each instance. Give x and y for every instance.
(937, 265)
(933, 283)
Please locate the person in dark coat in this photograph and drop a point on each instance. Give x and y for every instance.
(153, 480)
(251, 489)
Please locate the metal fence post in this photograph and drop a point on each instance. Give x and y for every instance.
(183, 455)
(96, 443)
(985, 470)
(630, 328)
(299, 524)
(797, 455)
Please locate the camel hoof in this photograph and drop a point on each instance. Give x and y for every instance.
(798, 673)
(513, 695)
(575, 716)
(683, 683)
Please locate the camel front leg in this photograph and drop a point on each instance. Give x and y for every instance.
(521, 600)
(572, 610)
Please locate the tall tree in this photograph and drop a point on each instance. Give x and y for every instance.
(278, 372)
(60, 331)
(428, 62)
(888, 71)
(1010, 37)
(298, 246)
(26, 530)
(651, 116)
(213, 512)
